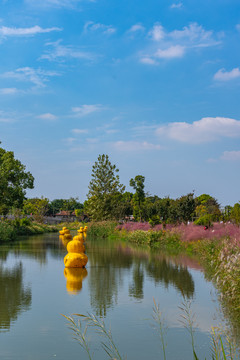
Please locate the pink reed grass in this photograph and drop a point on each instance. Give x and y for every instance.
(191, 231)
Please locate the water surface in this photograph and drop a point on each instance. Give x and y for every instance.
(118, 284)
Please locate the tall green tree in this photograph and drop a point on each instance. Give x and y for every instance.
(138, 198)
(235, 214)
(185, 207)
(103, 189)
(207, 205)
(14, 180)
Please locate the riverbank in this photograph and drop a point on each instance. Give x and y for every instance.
(217, 249)
(11, 229)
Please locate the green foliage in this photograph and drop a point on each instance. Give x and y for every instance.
(161, 239)
(14, 181)
(104, 190)
(10, 229)
(185, 207)
(235, 214)
(78, 212)
(154, 220)
(36, 207)
(138, 198)
(206, 204)
(138, 236)
(205, 220)
(102, 229)
(7, 231)
(55, 206)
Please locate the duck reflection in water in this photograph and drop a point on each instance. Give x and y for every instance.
(74, 277)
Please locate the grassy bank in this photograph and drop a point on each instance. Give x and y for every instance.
(217, 249)
(11, 229)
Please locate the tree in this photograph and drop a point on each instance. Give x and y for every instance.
(185, 207)
(55, 206)
(103, 189)
(14, 181)
(208, 205)
(36, 207)
(235, 214)
(138, 198)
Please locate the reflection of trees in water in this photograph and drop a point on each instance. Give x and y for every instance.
(103, 284)
(136, 287)
(105, 275)
(14, 297)
(36, 247)
(108, 261)
(171, 274)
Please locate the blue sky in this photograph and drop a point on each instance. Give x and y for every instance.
(153, 84)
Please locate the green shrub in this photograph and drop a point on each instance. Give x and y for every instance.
(7, 231)
(139, 236)
(154, 220)
(101, 229)
(205, 220)
(25, 222)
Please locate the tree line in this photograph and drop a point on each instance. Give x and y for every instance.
(107, 198)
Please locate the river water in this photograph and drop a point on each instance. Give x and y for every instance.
(118, 285)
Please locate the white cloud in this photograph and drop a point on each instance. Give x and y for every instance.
(111, 131)
(193, 33)
(70, 140)
(54, 3)
(148, 60)
(59, 51)
(47, 116)
(106, 29)
(8, 91)
(171, 52)
(176, 5)
(5, 120)
(136, 28)
(223, 75)
(6, 117)
(7, 31)
(92, 140)
(231, 156)
(36, 76)
(135, 146)
(175, 44)
(157, 32)
(204, 130)
(80, 131)
(86, 109)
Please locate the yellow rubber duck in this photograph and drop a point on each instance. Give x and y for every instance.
(80, 234)
(75, 257)
(85, 232)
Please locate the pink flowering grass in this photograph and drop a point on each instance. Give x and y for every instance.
(190, 232)
(193, 232)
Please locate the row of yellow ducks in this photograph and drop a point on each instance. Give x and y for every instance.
(76, 257)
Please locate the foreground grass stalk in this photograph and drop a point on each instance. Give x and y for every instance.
(219, 352)
(99, 326)
(157, 316)
(80, 334)
(188, 320)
